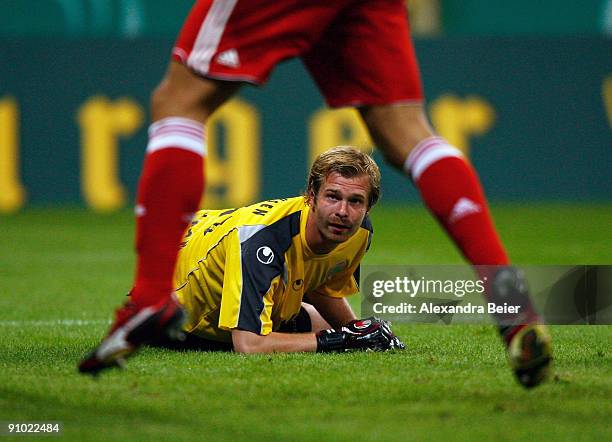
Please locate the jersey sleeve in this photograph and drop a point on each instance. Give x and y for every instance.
(252, 273)
(253, 270)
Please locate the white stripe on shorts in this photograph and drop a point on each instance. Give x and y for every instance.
(210, 33)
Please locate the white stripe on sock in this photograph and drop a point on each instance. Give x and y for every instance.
(423, 146)
(181, 133)
(426, 153)
(178, 129)
(178, 121)
(177, 141)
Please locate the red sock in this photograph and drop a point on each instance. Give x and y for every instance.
(451, 190)
(169, 193)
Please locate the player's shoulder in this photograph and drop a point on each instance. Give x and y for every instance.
(367, 224)
(368, 229)
(275, 220)
(271, 211)
(270, 230)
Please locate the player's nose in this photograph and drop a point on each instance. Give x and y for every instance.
(342, 209)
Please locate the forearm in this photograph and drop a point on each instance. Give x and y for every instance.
(248, 342)
(365, 334)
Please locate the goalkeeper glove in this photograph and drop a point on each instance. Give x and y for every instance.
(362, 334)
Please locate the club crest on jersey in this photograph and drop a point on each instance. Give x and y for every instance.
(265, 255)
(337, 269)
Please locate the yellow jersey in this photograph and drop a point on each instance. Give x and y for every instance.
(249, 268)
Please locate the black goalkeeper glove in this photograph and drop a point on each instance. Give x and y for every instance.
(362, 334)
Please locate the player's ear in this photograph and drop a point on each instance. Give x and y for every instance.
(312, 200)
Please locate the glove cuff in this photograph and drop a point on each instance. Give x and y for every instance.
(330, 340)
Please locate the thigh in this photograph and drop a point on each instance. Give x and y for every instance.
(366, 56)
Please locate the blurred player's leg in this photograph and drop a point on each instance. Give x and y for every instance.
(448, 184)
(169, 192)
(367, 60)
(451, 190)
(528, 343)
(382, 79)
(172, 180)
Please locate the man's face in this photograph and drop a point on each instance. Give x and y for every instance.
(340, 207)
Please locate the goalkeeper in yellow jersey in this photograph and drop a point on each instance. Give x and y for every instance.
(273, 276)
(268, 277)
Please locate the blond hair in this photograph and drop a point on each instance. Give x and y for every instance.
(348, 162)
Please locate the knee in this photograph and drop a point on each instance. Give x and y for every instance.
(396, 130)
(394, 155)
(161, 96)
(317, 322)
(171, 98)
(181, 94)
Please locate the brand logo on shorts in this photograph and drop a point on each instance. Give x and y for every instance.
(265, 255)
(229, 58)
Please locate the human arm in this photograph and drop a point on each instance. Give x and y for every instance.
(248, 342)
(336, 311)
(366, 334)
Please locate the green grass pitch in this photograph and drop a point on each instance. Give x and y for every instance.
(63, 270)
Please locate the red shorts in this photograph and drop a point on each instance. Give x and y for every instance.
(359, 52)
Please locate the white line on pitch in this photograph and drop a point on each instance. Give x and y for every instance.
(63, 322)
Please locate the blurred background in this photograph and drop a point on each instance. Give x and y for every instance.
(523, 87)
